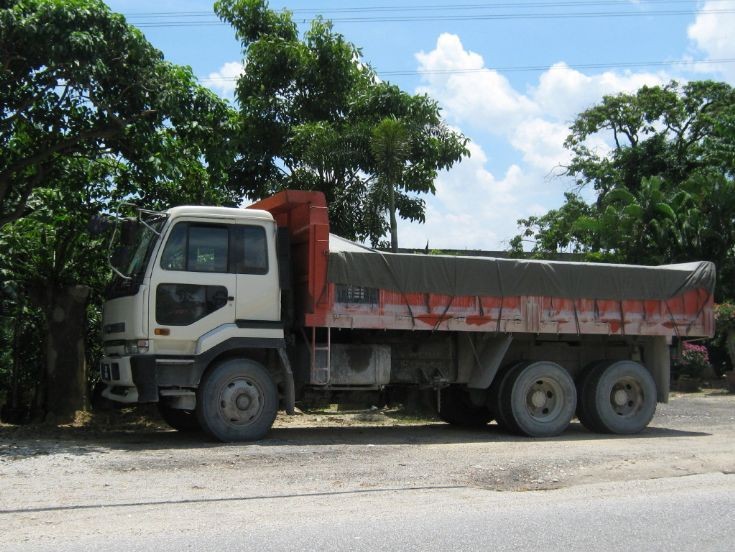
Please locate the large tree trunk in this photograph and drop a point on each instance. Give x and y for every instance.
(66, 365)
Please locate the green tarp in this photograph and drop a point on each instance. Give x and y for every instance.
(355, 265)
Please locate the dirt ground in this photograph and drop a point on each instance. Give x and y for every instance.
(44, 470)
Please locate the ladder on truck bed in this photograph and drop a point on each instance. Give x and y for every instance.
(321, 354)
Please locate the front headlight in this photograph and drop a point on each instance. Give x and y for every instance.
(136, 346)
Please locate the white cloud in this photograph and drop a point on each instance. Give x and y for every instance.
(536, 122)
(224, 80)
(563, 92)
(542, 143)
(473, 208)
(468, 91)
(712, 33)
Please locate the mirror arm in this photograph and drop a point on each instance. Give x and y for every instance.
(116, 271)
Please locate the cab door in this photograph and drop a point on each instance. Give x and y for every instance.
(193, 285)
(258, 291)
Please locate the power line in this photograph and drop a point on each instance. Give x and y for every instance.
(441, 7)
(528, 68)
(418, 13)
(474, 17)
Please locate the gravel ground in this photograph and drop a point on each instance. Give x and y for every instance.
(50, 475)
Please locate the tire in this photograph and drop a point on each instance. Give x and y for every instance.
(618, 397)
(181, 420)
(237, 401)
(456, 408)
(538, 399)
(586, 408)
(496, 391)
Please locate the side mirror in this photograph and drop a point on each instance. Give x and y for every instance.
(128, 230)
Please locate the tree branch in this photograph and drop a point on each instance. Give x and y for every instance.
(64, 146)
(20, 209)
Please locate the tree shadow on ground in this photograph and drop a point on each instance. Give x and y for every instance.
(22, 443)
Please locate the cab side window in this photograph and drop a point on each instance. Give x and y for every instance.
(255, 251)
(197, 248)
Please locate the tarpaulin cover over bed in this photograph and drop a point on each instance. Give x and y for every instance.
(355, 265)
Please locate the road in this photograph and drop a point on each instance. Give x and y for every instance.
(421, 487)
(686, 513)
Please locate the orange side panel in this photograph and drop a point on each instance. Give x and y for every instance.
(305, 215)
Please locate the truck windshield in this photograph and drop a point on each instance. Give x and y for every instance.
(132, 260)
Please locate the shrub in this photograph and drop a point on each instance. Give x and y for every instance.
(725, 317)
(694, 360)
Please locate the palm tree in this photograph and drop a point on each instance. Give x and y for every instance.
(390, 147)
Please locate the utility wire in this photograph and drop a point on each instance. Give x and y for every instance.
(474, 17)
(527, 68)
(441, 7)
(406, 14)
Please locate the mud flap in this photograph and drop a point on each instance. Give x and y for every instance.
(289, 394)
(144, 377)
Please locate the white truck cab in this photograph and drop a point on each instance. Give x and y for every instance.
(192, 285)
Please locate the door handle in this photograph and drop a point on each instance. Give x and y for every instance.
(230, 298)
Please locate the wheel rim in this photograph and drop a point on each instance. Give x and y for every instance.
(626, 397)
(240, 401)
(544, 399)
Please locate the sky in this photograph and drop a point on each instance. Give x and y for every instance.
(511, 76)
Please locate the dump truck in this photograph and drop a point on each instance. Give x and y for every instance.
(223, 316)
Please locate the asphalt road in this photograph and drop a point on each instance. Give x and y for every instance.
(685, 513)
(341, 482)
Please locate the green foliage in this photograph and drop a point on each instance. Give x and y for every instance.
(390, 148)
(569, 229)
(77, 80)
(91, 114)
(21, 337)
(665, 191)
(308, 108)
(725, 317)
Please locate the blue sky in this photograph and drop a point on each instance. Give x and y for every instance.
(474, 57)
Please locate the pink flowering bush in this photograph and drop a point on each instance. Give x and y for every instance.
(694, 360)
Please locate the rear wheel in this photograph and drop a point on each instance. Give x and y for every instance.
(586, 399)
(617, 397)
(496, 391)
(538, 399)
(455, 407)
(181, 420)
(237, 401)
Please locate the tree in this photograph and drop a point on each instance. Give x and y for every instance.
(390, 149)
(76, 79)
(90, 114)
(665, 191)
(55, 268)
(308, 108)
(658, 131)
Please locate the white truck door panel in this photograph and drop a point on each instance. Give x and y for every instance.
(193, 286)
(258, 292)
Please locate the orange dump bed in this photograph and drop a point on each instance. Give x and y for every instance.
(324, 300)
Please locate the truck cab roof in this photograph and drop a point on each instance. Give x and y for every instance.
(219, 212)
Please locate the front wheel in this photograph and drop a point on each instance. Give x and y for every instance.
(237, 401)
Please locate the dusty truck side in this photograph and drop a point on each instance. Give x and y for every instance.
(222, 316)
